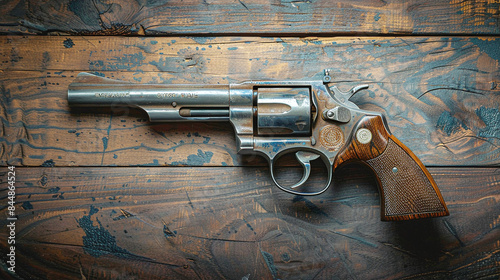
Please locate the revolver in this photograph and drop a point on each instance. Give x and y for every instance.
(312, 119)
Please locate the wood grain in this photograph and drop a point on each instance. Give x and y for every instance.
(103, 194)
(210, 17)
(227, 223)
(440, 95)
(407, 190)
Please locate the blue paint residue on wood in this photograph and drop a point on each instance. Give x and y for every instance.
(98, 241)
(98, 74)
(37, 156)
(168, 233)
(54, 190)
(491, 118)
(200, 40)
(45, 60)
(268, 258)
(68, 43)
(105, 142)
(449, 124)
(27, 205)
(310, 205)
(48, 163)
(85, 12)
(250, 226)
(43, 181)
(285, 257)
(490, 47)
(126, 62)
(196, 160)
(180, 63)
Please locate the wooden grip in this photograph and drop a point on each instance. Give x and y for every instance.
(407, 190)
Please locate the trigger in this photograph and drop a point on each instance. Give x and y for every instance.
(305, 159)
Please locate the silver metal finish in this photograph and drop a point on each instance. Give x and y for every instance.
(326, 77)
(161, 102)
(283, 111)
(344, 97)
(339, 114)
(364, 136)
(271, 118)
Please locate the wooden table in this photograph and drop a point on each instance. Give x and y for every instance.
(104, 194)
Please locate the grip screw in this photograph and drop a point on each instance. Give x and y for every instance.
(394, 170)
(364, 136)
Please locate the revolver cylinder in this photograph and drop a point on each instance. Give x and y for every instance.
(283, 111)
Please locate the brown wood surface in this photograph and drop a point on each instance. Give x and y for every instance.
(104, 194)
(169, 223)
(119, 17)
(441, 96)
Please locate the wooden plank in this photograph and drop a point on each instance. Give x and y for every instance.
(440, 95)
(228, 223)
(250, 17)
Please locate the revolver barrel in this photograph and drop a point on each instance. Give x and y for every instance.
(161, 102)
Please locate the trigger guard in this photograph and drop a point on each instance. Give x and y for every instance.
(305, 162)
